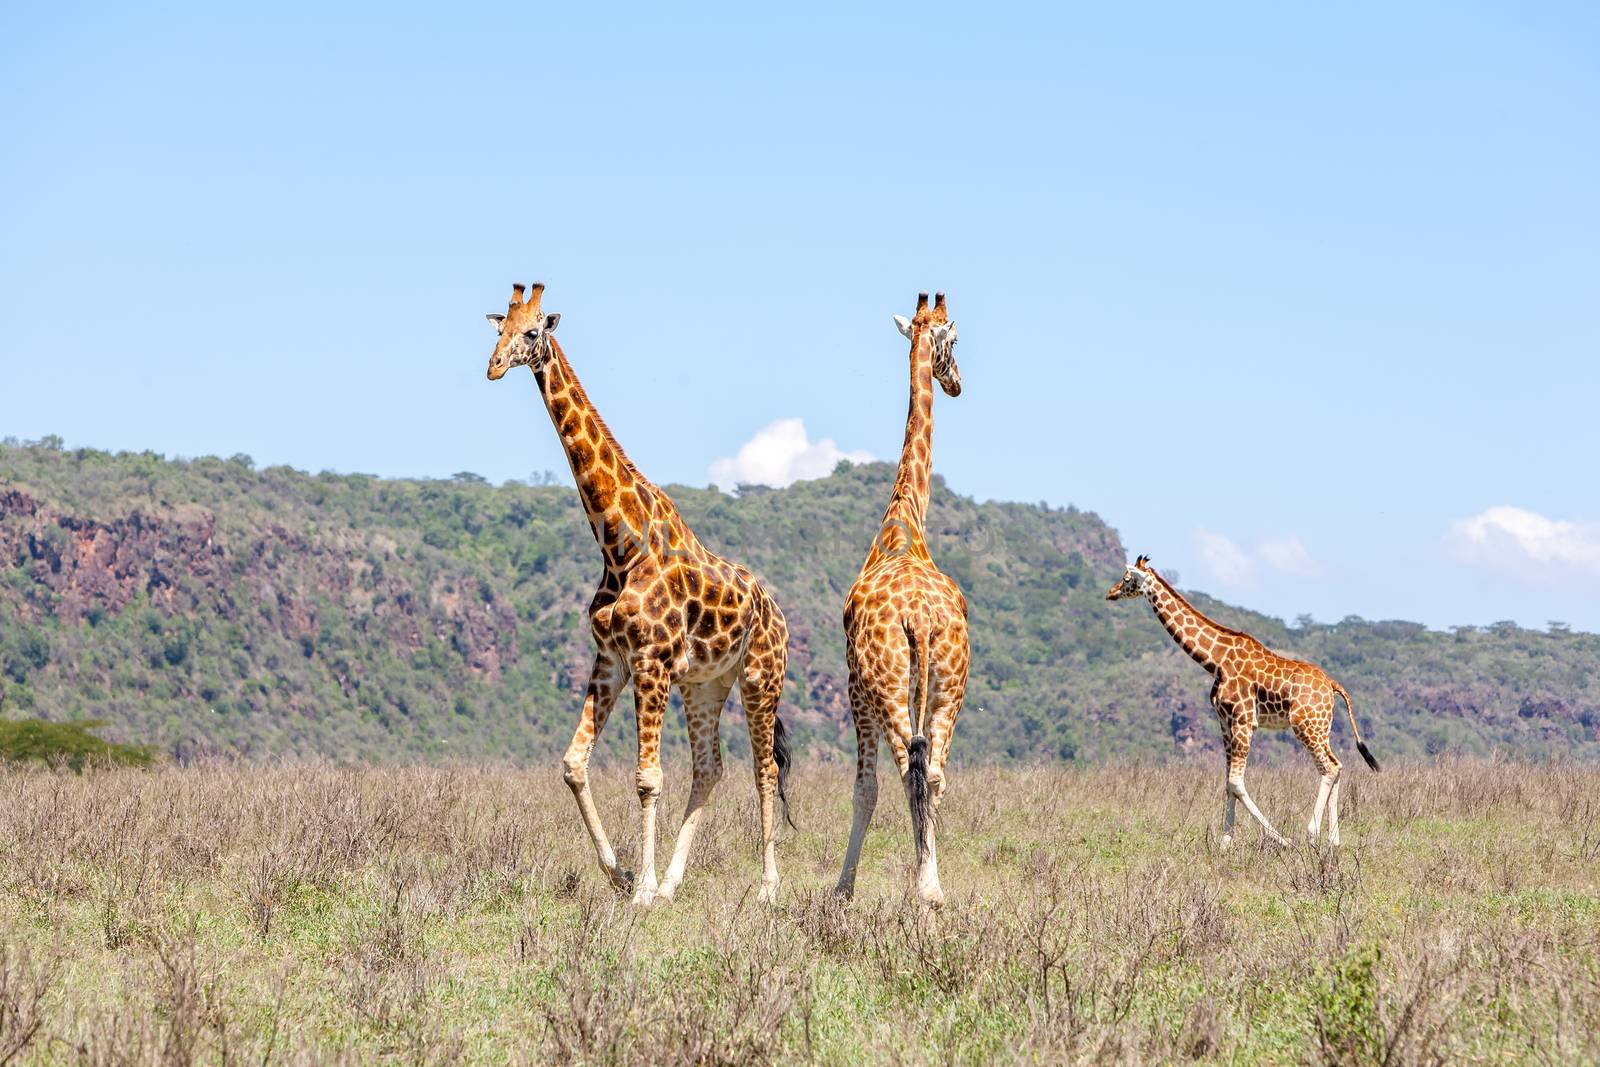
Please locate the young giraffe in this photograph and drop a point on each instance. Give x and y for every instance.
(1254, 687)
(905, 625)
(668, 612)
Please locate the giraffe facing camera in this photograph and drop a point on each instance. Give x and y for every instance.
(525, 333)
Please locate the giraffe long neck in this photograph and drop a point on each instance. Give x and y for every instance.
(629, 516)
(902, 531)
(1197, 635)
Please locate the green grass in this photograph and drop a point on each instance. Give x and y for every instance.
(311, 913)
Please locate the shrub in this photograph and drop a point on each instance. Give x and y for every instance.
(35, 740)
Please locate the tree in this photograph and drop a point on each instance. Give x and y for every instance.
(35, 740)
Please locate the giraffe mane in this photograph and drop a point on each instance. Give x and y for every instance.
(1185, 601)
(577, 387)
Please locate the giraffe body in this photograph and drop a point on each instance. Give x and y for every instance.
(668, 613)
(905, 627)
(1253, 687)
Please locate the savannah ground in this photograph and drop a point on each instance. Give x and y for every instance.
(312, 913)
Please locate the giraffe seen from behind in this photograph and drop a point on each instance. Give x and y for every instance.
(1253, 686)
(668, 613)
(905, 625)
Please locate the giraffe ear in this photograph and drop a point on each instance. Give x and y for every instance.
(903, 324)
(495, 321)
(550, 321)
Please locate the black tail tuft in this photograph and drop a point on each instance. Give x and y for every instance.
(1366, 754)
(780, 755)
(920, 795)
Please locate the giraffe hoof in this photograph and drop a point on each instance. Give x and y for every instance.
(622, 880)
(1226, 843)
(645, 897)
(844, 893)
(768, 893)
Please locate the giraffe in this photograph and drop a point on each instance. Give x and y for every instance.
(1253, 686)
(668, 612)
(905, 625)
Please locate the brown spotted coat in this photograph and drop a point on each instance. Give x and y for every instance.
(668, 613)
(905, 624)
(1253, 687)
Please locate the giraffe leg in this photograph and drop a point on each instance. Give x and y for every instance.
(1324, 788)
(651, 687)
(1230, 744)
(947, 698)
(1328, 765)
(1333, 811)
(865, 798)
(901, 740)
(702, 708)
(1238, 754)
(1238, 789)
(606, 680)
(1228, 805)
(928, 889)
(760, 690)
(1229, 802)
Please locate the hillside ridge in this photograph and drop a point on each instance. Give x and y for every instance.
(206, 605)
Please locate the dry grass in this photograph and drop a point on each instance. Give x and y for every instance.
(319, 914)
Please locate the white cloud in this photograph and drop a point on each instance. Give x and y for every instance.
(1227, 562)
(1289, 555)
(1517, 539)
(779, 454)
(1230, 563)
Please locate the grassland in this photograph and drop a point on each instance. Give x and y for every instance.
(312, 913)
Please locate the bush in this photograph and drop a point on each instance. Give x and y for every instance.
(1345, 1009)
(35, 740)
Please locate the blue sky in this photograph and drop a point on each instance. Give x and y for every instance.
(1305, 302)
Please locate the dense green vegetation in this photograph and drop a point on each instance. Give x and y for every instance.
(204, 604)
(71, 744)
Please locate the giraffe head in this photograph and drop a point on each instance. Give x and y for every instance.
(1136, 581)
(941, 332)
(525, 333)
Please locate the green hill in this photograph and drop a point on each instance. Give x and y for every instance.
(205, 605)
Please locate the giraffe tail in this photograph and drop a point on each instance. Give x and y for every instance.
(1361, 746)
(780, 756)
(918, 791)
(921, 667)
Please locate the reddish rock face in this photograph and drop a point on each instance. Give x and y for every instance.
(1193, 725)
(85, 566)
(91, 565)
